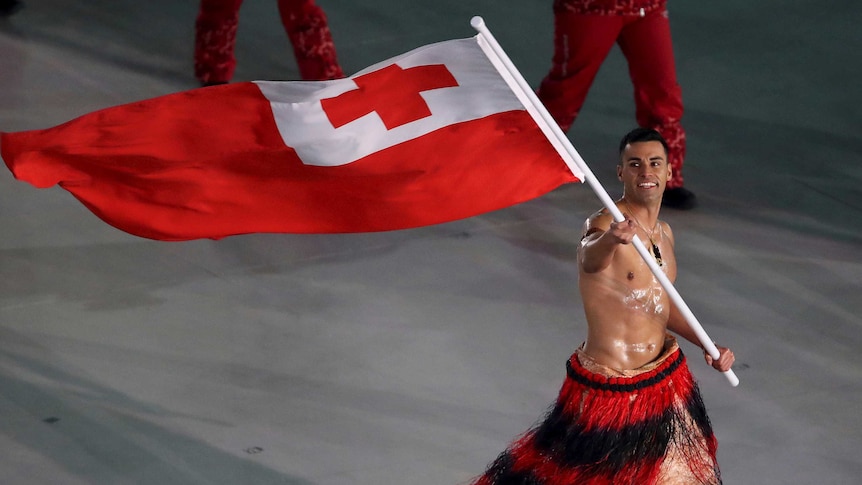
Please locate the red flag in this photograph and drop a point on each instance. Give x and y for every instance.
(431, 136)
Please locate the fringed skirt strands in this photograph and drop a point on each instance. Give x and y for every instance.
(610, 427)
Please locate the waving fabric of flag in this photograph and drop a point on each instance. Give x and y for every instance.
(431, 136)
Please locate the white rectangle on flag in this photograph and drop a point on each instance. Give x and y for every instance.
(305, 127)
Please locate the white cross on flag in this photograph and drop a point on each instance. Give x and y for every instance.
(431, 136)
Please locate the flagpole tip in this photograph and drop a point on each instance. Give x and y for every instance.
(477, 22)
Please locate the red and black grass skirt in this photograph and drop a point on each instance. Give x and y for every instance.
(614, 428)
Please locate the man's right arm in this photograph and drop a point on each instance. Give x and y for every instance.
(602, 237)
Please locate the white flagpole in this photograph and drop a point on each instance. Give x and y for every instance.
(560, 140)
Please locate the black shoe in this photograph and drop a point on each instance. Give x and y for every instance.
(679, 198)
(8, 7)
(209, 83)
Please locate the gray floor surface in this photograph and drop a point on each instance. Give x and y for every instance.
(413, 357)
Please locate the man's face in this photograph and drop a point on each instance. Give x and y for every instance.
(644, 171)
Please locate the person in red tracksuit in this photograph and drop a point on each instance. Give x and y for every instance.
(584, 33)
(303, 20)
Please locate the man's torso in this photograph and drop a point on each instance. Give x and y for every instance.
(626, 307)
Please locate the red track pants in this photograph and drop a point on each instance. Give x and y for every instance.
(304, 22)
(581, 44)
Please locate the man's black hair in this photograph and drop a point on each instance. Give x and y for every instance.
(642, 134)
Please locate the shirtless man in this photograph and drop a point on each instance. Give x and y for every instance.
(627, 310)
(629, 410)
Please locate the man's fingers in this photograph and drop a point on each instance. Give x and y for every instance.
(725, 360)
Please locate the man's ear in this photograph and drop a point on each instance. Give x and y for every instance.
(620, 172)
